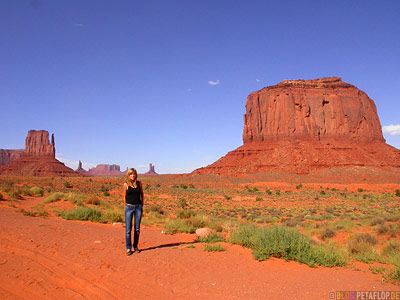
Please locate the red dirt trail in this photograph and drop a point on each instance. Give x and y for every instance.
(48, 258)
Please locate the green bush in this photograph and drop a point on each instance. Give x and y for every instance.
(111, 216)
(299, 186)
(54, 197)
(397, 193)
(1, 197)
(214, 248)
(287, 243)
(83, 213)
(183, 186)
(37, 191)
(210, 239)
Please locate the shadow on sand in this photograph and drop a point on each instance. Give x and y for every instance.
(166, 246)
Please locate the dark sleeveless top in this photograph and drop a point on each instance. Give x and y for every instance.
(132, 195)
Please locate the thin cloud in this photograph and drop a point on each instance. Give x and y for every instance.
(79, 24)
(391, 129)
(210, 82)
(258, 80)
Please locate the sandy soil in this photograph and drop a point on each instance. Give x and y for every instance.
(50, 258)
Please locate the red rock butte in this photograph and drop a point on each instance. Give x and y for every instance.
(38, 158)
(301, 125)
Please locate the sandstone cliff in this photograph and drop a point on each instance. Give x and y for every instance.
(7, 155)
(38, 158)
(301, 125)
(326, 108)
(37, 143)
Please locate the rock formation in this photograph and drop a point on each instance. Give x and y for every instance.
(300, 125)
(81, 170)
(104, 170)
(151, 170)
(7, 155)
(38, 158)
(37, 144)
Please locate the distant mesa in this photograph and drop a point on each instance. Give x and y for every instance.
(104, 170)
(298, 126)
(38, 158)
(151, 170)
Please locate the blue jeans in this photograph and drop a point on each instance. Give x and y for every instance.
(131, 210)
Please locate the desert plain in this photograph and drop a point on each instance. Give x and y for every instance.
(64, 237)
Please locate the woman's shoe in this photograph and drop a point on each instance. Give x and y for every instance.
(128, 252)
(136, 250)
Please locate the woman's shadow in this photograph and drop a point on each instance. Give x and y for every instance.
(167, 246)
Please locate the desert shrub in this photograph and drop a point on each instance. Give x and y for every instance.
(178, 225)
(1, 197)
(299, 186)
(182, 203)
(106, 193)
(361, 247)
(67, 185)
(37, 212)
(156, 208)
(290, 222)
(259, 199)
(214, 248)
(158, 185)
(377, 220)
(227, 197)
(191, 186)
(37, 191)
(185, 214)
(54, 197)
(392, 248)
(175, 186)
(210, 239)
(268, 192)
(322, 192)
(327, 233)
(183, 186)
(83, 213)
(382, 229)
(360, 190)
(13, 194)
(287, 243)
(278, 192)
(111, 216)
(92, 200)
(397, 193)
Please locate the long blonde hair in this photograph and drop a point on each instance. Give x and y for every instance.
(128, 179)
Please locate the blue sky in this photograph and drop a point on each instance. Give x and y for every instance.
(165, 82)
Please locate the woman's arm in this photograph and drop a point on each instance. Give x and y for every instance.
(123, 194)
(141, 192)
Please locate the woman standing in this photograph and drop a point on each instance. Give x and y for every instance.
(133, 202)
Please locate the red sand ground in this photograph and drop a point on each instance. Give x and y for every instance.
(57, 259)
